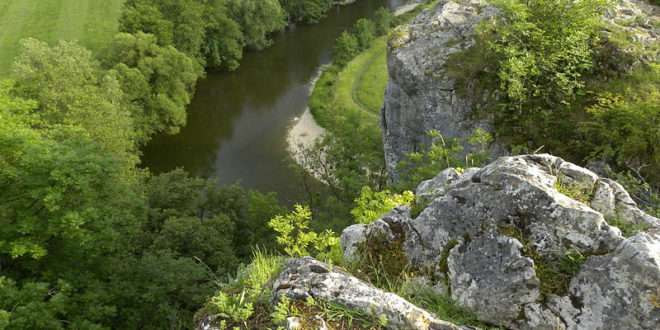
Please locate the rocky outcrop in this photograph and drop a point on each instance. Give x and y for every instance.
(631, 27)
(504, 237)
(419, 97)
(308, 277)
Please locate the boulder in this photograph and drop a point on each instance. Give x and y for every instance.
(307, 277)
(486, 232)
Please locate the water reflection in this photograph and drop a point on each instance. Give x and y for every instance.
(237, 121)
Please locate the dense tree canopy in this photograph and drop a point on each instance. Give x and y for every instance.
(158, 82)
(71, 88)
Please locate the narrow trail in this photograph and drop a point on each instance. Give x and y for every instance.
(356, 82)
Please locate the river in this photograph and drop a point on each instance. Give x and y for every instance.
(238, 121)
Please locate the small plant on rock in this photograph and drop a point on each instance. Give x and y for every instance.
(373, 205)
(298, 240)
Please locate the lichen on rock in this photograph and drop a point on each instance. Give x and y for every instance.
(502, 232)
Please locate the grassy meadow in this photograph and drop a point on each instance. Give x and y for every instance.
(355, 92)
(369, 86)
(92, 22)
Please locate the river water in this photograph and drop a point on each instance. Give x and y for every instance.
(237, 121)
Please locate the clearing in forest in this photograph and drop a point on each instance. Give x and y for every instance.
(92, 22)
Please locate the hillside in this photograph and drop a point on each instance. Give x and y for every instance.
(93, 23)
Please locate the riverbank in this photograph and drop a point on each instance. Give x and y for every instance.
(357, 89)
(304, 130)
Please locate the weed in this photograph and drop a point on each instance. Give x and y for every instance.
(628, 228)
(554, 275)
(297, 239)
(416, 208)
(443, 264)
(573, 190)
(233, 307)
(242, 299)
(336, 316)
(444, 307)
(373, 205)
(384, 265)
(283, 310)
(395, 39)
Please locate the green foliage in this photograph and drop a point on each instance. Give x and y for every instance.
(58, 190)
(283, 310)
(233, 307)
(306, 11)
(443, 264)
(443, 307)
(33, 306)
(297, 240)
(248, 293)
(554, 274)
(382, 264)
(146, 18)
(628, 228)
(574, 190)
(198, 218)
(345, 48)
(373, 205)
(223, 47)
(441, 154)
(71, 88)
(365, 31)
(624, 121)
(547, 46)
(158, 82)
(353, 319)
(646, 197)
(382, 19)
(335, 315)
(178, 23)
(571, 261)
(257, 18)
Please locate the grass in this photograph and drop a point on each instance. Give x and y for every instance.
(92, 22)
(554, 275)
(242, 301)
(628, 228)
(369, 86)
(354, 92)
(574, 190)
(335, 316)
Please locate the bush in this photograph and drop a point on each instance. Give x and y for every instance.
(345, 48)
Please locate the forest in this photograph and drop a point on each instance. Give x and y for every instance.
(90, 239)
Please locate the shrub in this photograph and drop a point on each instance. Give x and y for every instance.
(298, 240)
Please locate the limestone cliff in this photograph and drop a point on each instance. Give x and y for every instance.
(512, 248)
(419, 97)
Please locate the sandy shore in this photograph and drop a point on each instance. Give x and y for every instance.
(303, 130)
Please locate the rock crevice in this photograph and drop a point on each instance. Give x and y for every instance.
(494, 234)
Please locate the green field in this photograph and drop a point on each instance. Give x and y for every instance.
(369, 86)
(92, 22)
(355, 92)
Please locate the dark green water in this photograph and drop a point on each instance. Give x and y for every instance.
(237, 122)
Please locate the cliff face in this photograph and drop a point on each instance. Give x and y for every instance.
(419, 96)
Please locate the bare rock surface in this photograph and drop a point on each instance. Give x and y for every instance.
(419, 96)
(308, 277)
(482, 229)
